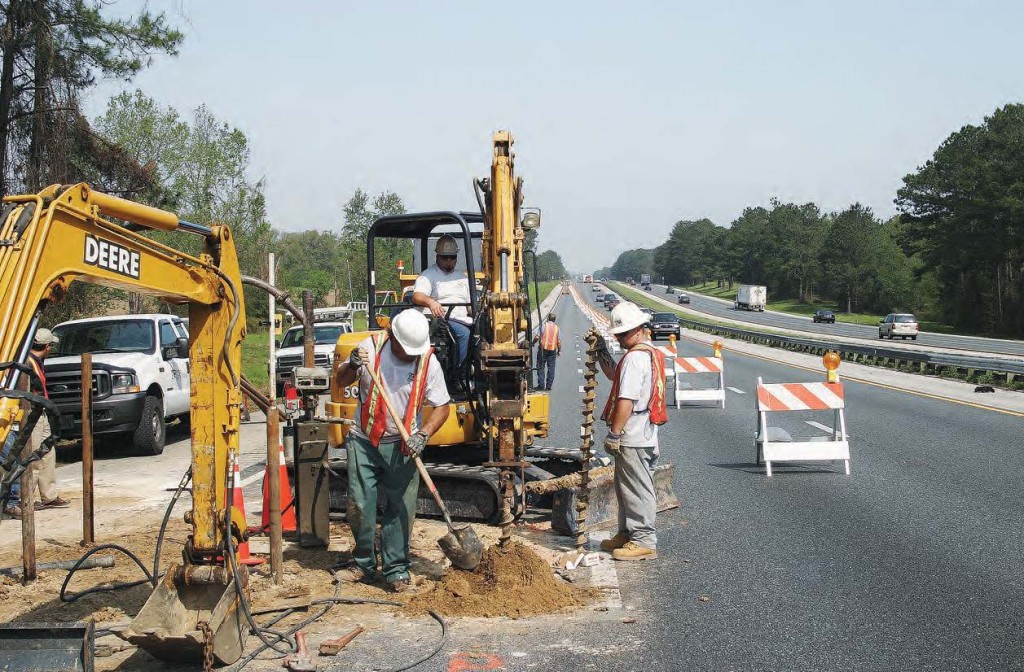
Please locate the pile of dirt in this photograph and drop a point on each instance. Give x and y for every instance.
(511, 581)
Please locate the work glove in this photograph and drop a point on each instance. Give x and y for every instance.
(415, 445)
(602, 352)
(611, 444)
(355, 359)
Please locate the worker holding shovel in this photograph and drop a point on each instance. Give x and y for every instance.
(379, 460)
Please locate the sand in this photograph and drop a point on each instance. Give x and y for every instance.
(512, 581)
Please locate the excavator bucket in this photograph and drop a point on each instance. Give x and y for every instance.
(184, 614)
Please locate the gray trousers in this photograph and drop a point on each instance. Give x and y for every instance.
(634, 492)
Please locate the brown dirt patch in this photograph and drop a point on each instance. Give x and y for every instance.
(512, 581)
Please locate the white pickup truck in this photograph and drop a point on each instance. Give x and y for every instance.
(290, 348)
(140, 376)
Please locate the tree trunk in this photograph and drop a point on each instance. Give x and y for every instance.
(849, 301)
(8, 42)
(34, 177)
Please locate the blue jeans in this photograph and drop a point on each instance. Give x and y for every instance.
(460, 332)
(547, 358)
(16, 486)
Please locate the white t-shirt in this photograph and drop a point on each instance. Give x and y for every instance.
(445, 288)
(635, 383)
(397, 378)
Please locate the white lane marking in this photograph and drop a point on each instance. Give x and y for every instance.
(579, 359)
(736, 390)
(253, 478)
(581, 389)
(818, 425)
(603, 576)
(579, 370)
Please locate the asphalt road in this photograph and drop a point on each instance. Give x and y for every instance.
(912, 562)
(723, 309)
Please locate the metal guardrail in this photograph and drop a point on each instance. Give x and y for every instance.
(873, 353)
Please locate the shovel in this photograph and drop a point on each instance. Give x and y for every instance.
(460, 545)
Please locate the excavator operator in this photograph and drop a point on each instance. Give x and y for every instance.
(440, 284)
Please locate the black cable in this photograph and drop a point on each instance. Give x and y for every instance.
(186, 477)
(103, 589)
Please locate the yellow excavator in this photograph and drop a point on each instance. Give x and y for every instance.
(487, 451)
(64, 234)
(479, 456)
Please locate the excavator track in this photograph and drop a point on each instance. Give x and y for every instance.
(471, 493)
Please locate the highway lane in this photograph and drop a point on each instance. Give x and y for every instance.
(912, 562)
(725, 310)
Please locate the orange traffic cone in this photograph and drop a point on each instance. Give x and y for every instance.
(238, 501)
(288, 523)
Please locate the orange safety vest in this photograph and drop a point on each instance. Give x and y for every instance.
(37, 367)
(549, 337)
(373, 415)
(656, 406)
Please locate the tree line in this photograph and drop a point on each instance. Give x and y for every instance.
(954, 253)
(191, 162)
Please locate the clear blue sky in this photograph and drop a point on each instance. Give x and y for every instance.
(628, 116)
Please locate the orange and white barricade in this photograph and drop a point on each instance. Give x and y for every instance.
(774, 444)
(684, 367)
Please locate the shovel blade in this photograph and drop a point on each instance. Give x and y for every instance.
(462, 547)
(167, 627)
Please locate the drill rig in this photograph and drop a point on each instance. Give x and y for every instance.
(478, 458)
(51, 239)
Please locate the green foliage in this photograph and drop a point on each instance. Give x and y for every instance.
(52, 52)
(964, 216)
(694, 251)
(549, 267)
(632, 264)
(200, 169)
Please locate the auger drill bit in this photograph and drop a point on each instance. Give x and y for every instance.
(592, 338)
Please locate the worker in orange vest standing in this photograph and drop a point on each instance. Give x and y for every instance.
(550, 349)
(635, 409)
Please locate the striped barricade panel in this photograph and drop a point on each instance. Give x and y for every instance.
(775, 445)
(684, 366)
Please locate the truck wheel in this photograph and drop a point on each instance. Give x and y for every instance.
(150, 434)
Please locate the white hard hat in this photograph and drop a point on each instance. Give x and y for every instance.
(45, 337)
(412, 331)
(626, 317)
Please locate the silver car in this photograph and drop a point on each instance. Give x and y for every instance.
(903, 325)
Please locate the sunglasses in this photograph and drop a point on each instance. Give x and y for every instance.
(447, 256)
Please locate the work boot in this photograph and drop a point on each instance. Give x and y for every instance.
(399, 586)
(55, 503)
(13, 511)
(618, 541)
(633, 551)
(352, 574)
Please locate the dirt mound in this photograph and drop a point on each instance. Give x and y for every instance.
(512, 581)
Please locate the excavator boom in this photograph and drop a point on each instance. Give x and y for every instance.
(51, 239)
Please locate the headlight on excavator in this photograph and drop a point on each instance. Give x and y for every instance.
(123, 383)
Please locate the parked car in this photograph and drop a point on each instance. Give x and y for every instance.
(664, 325)
(683, 298)
(903, 325)
(669, 290)
(140, 376)
(290, 349)
(823, 315)
(610, 301)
